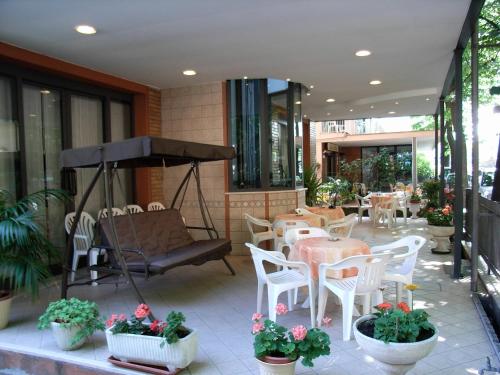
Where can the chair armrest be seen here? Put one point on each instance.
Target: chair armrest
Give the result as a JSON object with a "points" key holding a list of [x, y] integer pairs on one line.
{"points": [[262, 223]]}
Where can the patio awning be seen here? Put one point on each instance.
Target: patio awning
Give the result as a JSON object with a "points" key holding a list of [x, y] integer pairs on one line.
{"points": [[144, 152]]}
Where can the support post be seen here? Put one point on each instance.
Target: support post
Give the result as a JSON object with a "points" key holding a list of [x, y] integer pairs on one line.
{"points": [[414, 176], [68, 252], [436, 141], [475, 158], [458, 215], [441, 150]]}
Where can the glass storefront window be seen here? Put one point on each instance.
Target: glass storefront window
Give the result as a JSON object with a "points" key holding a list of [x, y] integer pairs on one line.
{"points": [[9, 145]]}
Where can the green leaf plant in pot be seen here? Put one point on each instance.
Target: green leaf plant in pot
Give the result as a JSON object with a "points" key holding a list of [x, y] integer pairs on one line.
{"points": [[277, 349], [24, 247], [441, 227], [72, 322]]}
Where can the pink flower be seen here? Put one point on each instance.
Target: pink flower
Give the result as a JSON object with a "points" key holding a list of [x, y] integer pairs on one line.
{"points": [[327, 321], [122, 317], [299, 332], [111, 320], [142, 311], [256, 316], [257, 327], [154, 326], [281, 309]]}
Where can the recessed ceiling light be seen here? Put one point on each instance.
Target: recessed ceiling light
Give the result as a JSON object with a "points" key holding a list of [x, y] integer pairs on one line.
{"points": [[311, 87], [85, 29], [308, 93], [351, 110], [375, 82], [288, 79], [32, 115], [245, 77], [371, 107], [328, 114], [45, 91], [330, 100], [427, 99], [189, 72], [298, 102], [391, 112], [363, 53], [396, 103], [305, 115]]}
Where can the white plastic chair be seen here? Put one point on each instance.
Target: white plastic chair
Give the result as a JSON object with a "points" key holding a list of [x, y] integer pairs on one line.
{"points": [[155, 206], [132, 209], [293, 275], [401, 205], [385, 211], [366, 283], [304, 211], [400, 269], [294, 234], [282, 226], [104, 212], [258, 237], [82, 241], [363, 205], [343, 227]]}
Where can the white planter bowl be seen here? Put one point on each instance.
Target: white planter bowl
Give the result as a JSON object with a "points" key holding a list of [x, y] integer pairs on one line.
{"points": [[442, 237], [394, 358], [146, 349], [276, 369], [5, 304], [64, 336]]}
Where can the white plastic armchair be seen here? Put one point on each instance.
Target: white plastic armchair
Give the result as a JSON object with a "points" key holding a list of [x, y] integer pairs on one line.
{"points": [[363, 205], [258, 237], [281, 227], [385, 211], [401, 205], [305, 211], [295, 234], [344, 289], [343, 227], [82, 242], [114, 210], [293, 275], [400, 269], [155, 206], [132, 209]]}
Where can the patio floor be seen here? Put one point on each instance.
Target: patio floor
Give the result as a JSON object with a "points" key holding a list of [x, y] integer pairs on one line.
{"points": [[220, 306]]}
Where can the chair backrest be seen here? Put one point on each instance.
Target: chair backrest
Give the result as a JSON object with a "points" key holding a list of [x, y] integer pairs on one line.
{"points": [[155, 206], [251, 221], [303, 211], [409, 258], [371, 278], [345, 227], [295, 234], [132, 209], [260, 256], [104, 212], [85, 227]]}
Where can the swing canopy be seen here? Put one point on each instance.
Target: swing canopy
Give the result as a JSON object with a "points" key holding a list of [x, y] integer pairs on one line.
{"points": [[144, 152]]}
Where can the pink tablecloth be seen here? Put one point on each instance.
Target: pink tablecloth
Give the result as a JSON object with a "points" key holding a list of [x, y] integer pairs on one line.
{"points": [[312, 220], [317, 250], [383, 200], [330, 213]]}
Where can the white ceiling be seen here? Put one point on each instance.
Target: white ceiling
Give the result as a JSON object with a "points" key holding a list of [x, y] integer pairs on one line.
{"points": [[309, 41]]}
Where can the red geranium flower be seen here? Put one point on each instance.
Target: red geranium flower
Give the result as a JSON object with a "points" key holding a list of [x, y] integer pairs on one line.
{"points": [[384, 306], [142, 311], [404, 307]]}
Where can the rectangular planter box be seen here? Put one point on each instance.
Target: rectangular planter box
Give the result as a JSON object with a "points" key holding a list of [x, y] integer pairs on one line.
{"points": [[146, 349]]}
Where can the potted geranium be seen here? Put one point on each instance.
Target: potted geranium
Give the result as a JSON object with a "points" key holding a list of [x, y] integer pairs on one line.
{"points": [[277, 349], [441, 227], [396, 337], [24, 247], [163, 343], [415, 201], [72, 322]]}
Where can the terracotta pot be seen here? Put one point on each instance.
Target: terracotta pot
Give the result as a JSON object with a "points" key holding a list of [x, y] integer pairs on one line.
{"points": [[269, 365], [5, 303], [394, 358]]}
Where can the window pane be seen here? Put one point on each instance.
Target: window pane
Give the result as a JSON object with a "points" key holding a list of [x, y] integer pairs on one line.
{"points": [[87, 130], [368, 178], [298, 130], [279, 155], [9, 146], [43, 138], [121, 129]]}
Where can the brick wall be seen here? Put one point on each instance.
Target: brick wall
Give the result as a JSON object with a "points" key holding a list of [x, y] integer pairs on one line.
{"points": [[154, 112]]}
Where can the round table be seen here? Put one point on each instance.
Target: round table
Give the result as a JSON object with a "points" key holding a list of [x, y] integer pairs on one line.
{"points": [[317, 250], [383, 200], [331, 213], [312, 220]]}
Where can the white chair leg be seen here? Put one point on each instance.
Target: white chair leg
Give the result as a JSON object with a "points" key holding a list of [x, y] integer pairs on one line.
{"points": [[272, 302], [260, 290], [93, 261], [322, 298], [296, 296], [399, 291], [74, 266], [347, 309], [312, 296], [366, 304], [290, 300]]}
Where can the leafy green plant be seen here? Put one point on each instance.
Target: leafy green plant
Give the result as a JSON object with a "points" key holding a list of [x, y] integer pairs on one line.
{"points": [[272, 339], [73, 313], [172, 329], [24, 248], [351, 171], [400, 324], [430, 190], [336, 190], [441, 217], [415, 198], [312, 183]]}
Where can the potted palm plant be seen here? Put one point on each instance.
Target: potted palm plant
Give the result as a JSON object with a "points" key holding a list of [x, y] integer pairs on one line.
{"points": [[24, 248], [396, 337], [72, 322], [277, 349]]}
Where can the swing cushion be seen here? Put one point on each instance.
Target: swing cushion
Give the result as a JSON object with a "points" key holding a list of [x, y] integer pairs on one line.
{"points": [[164, 240]]}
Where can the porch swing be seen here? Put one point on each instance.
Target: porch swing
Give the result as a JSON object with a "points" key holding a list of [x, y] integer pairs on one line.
{"points": [[148, 243]]}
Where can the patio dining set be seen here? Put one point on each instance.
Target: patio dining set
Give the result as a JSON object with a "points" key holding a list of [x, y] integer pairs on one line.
{"points": [[323, 257]]}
